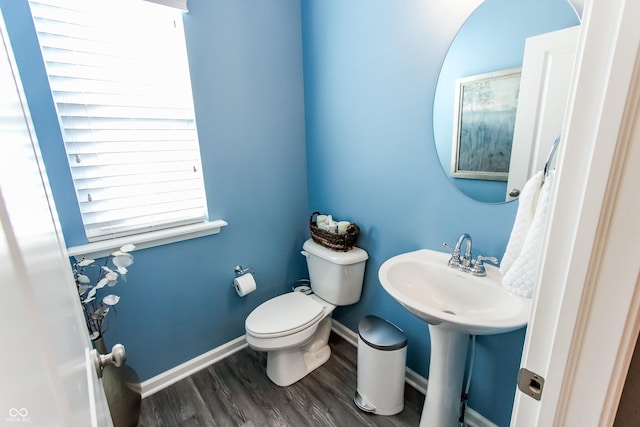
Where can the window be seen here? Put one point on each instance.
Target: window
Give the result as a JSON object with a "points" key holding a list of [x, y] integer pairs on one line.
{"points": [[119, 76]]}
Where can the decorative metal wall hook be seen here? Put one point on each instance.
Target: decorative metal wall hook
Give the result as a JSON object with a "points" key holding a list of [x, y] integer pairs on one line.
{"points": [[552, 152]]}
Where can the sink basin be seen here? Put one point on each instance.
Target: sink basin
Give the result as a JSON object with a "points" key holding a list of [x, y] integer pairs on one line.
{"points": [[456, 305], [426, 286]]}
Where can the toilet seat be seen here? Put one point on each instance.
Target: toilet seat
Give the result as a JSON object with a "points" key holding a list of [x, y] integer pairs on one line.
{"points": [[283, 315]]}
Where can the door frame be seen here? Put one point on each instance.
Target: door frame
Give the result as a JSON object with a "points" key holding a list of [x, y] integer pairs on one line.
{"points": [[586, 311]]}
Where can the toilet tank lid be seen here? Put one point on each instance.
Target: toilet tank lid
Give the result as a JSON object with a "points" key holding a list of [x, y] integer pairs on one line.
{"points": [[352, 256]]}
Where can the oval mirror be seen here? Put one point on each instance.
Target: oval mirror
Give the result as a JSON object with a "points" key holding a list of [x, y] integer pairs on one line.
{"points": [[483, 62]]}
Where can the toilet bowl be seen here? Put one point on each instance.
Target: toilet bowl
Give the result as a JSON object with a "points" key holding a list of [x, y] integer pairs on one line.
{"points": [[294, 328]]}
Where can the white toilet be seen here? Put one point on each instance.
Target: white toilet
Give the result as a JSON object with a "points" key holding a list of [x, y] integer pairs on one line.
{"points": [[294, 328]]}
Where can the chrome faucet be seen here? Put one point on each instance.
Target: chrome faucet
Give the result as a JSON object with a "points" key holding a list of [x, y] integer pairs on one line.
{"points": [[466, 258], [466, 262]]}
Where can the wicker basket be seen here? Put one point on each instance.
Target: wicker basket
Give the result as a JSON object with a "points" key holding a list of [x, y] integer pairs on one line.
{"points": [[335, 241]]}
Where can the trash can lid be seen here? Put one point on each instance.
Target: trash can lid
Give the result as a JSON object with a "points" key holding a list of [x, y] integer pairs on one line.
{"points": [[380, 334]]}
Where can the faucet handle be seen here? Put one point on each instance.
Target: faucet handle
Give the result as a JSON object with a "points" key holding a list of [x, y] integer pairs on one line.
{"points": [[491, 259], [455, 260], [446, 245], [478, 266]]}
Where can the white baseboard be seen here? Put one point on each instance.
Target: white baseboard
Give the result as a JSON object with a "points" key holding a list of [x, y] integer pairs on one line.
{"points": [[415, 380], [165, 379]]}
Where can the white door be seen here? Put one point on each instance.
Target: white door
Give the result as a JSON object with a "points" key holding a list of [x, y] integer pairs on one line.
{"points": [[47, 376], [586, 311], [544, 90]]}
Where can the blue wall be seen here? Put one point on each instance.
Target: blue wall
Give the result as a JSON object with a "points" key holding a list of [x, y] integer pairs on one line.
{"points": [[246, 62], [370, 70]]}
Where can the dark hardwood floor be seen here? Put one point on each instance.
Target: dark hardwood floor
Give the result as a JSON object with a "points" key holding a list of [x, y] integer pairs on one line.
{"points": [[236, 392]]}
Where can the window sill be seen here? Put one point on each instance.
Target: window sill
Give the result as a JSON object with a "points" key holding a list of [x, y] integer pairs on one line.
{"points": [[148, 240]]}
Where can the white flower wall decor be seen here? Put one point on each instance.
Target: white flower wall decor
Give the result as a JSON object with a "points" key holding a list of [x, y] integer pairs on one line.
{"points": [[92, 279]]}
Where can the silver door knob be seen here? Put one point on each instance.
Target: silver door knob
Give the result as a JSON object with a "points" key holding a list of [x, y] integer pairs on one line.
{"points": [[514, 193], [117, 357]]}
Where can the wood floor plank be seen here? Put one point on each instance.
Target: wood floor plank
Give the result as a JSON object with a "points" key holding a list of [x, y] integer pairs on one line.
{"points": [[236, 392], [262, 400], [180, 404]]}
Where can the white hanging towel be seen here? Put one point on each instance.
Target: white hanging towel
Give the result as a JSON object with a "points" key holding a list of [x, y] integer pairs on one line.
{"points": [[521, 277], [526, 209]]}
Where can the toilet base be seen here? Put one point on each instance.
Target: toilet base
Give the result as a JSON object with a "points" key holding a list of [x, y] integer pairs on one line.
{"points": [[285, 367]]}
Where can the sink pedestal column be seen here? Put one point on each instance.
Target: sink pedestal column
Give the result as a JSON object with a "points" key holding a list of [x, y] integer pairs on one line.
{"points": [[446, 372]]}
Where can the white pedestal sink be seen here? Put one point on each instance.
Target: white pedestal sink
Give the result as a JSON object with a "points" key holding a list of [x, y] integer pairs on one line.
{"points": [[456, 305]]}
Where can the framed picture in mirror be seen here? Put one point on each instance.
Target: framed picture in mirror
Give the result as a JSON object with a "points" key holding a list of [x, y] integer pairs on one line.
{"points": [[484, 119]]}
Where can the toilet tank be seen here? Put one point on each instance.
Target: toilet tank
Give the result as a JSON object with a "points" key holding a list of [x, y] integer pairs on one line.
{"points": [[336, 277]]}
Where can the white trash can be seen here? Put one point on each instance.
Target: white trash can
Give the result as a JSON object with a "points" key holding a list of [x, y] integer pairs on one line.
{"points": [[382, 355]]}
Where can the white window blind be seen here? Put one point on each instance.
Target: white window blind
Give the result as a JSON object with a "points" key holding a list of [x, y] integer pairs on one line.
{"points": [[119, 76]]}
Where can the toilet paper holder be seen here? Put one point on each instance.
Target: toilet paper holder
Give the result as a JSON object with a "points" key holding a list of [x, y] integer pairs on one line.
{"points": [[240, 270]]}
